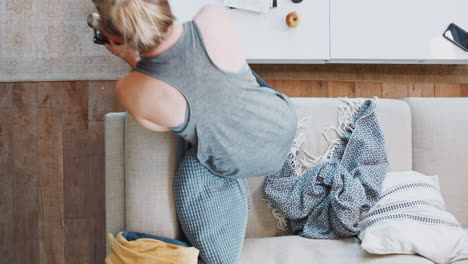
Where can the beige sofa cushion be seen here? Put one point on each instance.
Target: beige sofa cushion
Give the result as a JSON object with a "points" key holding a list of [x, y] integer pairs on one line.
{"points": [[298, 250], [395, 120], [440, 146]]}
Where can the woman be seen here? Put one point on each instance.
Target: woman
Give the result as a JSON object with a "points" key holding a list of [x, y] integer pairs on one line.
{"points": [[193, 79]]}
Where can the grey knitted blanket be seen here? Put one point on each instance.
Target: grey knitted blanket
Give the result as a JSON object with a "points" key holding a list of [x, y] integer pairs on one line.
{"points": [[326, 200]]}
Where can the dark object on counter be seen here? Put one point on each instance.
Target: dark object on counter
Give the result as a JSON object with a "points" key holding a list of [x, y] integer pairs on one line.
{"points": [[297, 1], [457, 36]]}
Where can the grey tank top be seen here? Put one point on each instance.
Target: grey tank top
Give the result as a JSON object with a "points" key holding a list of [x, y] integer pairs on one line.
{"points": [[239, 129]]}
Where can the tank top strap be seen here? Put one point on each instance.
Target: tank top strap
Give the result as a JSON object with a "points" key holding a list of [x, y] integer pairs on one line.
{"points": [[182, 126]]}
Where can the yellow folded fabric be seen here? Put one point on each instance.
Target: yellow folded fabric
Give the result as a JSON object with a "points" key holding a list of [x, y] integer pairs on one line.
{"points": [[148, 251]]}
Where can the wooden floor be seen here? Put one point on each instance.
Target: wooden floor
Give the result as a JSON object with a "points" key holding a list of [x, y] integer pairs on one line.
{"points": [[52, 171], [52, 150]]}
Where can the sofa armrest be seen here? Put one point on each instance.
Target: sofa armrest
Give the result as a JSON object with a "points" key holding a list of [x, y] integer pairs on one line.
{"points": [[151, 160], [115, 173]]}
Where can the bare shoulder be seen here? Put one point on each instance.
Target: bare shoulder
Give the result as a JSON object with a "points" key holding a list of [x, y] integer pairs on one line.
{"points": [[213, 18], [137, 93], [221, 41], [125, 88]]}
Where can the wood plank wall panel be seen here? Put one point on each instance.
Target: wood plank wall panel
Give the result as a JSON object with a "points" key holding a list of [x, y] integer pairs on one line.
{"points": [[52, 148], [447, 90], [365, 72], [50, 94], [395, 90], [52, 167], [5, 95], [26, 181], [77, 188], [6, 187], [314, 88], [101, 100], [341, 89], [464, 90], [51, 213], [421, 90], [97, 180], [78, 241], [368, 89], [75, 150], [292, 87]]}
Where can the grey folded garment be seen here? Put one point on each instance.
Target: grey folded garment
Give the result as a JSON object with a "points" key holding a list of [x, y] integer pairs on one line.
{"points": [[252, 5]]}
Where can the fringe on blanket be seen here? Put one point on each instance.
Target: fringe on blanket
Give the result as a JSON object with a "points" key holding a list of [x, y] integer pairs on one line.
{"points": [[300, 163]]}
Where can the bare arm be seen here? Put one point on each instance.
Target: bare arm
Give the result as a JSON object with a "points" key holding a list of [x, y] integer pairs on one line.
{"points": [[222, 43], [137, 104]]}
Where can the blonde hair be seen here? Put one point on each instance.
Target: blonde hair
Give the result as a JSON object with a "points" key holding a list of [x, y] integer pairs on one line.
{"points": [[140, 23]]}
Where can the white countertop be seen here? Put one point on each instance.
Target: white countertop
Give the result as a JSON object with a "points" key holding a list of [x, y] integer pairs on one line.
{"points": [[397, 30], [346, 31]]}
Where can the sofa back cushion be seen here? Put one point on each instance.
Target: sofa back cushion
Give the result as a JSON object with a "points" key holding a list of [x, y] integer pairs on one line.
{"points": [[151, 160], [395, 121], [440, 146]]}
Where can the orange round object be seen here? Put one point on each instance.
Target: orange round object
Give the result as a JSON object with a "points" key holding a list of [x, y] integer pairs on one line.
{"points": [[293, 19]]}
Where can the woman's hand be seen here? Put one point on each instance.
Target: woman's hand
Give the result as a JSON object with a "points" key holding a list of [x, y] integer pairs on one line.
{"points": [[125, 52]]}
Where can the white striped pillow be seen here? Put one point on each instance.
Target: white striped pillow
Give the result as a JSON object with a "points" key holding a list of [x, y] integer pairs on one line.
{"points": [[410, 218]]}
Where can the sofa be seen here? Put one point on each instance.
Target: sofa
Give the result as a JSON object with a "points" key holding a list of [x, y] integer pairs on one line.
{"points": [[422, 134]]}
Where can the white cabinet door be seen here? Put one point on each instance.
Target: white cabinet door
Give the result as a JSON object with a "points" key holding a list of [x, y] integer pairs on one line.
{"points": [[266, 37], [396, 31]]}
